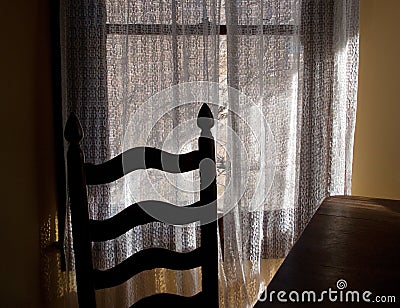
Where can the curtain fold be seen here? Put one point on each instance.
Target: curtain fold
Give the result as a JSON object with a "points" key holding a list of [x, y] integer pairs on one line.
{"points": [[299, 61], [295, 60]]}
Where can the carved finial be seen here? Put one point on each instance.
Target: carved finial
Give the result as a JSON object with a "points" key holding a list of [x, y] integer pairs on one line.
{"points": [[205, 119], [73, 132]]}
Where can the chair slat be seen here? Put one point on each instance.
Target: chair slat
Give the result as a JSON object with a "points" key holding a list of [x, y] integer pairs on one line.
{"points": [[140, 158], [145, 260], [173, 300], [132, 216]]}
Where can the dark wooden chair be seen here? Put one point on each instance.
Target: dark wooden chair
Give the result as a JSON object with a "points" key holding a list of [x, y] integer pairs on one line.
{"points": [[85, 231]]}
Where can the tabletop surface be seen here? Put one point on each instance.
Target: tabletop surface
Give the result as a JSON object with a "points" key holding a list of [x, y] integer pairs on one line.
{"points": [[351, 246]]}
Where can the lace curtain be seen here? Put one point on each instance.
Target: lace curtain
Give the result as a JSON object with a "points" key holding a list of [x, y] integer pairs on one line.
{"points": [[295, 61]]}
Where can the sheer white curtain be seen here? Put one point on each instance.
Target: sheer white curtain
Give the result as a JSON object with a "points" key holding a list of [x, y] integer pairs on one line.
{"points": [[299, 61], [296, 60]]}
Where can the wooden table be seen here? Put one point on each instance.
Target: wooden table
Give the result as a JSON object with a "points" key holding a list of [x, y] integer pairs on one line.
{"points": [[351, 238]]}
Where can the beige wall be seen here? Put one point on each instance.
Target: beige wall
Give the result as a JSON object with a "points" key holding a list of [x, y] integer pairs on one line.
{"points": [[376, 170], [27, 181]]}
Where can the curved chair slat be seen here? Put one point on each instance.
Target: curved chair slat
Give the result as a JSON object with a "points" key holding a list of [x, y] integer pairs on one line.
{"points": [[132, 216], [140, 158], [173, 300], [145, 260]]}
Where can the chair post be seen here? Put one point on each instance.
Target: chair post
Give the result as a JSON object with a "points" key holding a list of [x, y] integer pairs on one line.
{"points": [[79, 213], [208, 195]]}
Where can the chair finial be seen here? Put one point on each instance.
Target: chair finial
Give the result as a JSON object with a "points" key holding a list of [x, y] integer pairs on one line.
{"points": [[205, 119], [73, 132]]}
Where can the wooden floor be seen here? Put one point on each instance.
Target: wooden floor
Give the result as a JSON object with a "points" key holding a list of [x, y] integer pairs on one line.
{"points": [[351, 238]]}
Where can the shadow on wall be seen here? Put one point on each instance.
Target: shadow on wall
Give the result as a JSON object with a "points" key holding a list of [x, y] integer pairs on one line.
{"points": [[28, 182]]}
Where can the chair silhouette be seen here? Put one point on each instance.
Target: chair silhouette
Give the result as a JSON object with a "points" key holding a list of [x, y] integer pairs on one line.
{"points": [[85, 231]]}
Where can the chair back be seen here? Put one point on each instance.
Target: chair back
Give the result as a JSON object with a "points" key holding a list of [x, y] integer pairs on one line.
{"points": [[85, 231]]}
